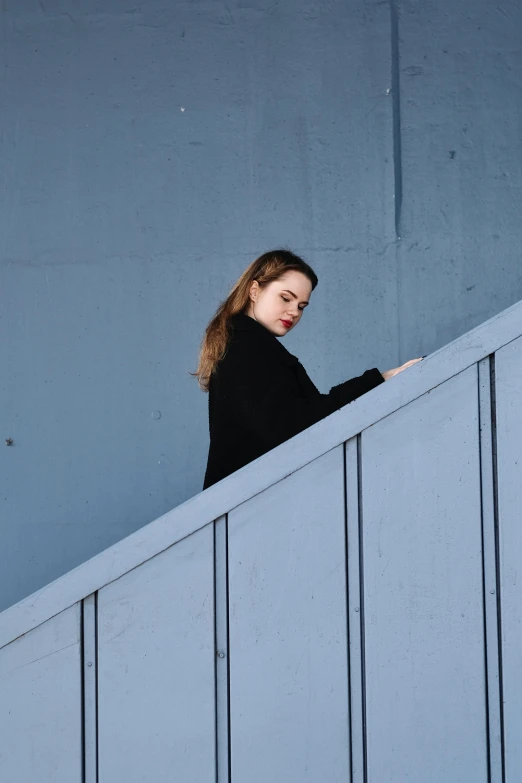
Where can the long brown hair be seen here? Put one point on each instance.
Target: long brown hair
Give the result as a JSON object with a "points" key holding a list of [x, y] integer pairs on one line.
{"points": [[268, 267]]}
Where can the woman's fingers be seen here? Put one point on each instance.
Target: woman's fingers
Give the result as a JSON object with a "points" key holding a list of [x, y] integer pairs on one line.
{"points": [[392, 373]]}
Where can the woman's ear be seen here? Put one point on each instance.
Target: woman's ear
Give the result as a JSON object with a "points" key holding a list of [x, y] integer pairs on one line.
{"points": [[254, 290]]}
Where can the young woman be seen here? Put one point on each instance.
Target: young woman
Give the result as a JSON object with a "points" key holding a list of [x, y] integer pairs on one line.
{"points": [[259, 393]]}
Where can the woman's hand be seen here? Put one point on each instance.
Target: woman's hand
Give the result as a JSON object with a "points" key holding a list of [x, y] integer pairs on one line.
{"points": [[390, 373]]}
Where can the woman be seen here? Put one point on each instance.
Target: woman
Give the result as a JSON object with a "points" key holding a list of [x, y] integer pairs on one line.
{"points": [[259, 393]]}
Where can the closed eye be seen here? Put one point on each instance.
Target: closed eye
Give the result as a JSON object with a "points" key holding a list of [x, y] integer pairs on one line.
{"points": [[285, 299]]}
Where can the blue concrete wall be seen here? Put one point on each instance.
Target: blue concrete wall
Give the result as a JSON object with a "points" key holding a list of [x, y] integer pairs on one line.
{"points": [[150, 152]]}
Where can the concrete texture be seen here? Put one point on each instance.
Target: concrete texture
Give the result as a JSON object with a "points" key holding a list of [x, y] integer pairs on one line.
{"points": [[150, 152]]}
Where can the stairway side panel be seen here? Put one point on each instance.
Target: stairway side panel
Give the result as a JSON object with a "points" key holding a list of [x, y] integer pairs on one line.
{"points": [[156, 687], [423, 591], [41, 703], [508, 383], [288, 646]]}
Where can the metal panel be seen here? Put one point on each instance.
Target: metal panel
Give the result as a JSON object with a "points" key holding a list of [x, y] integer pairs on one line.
{"points": [[508, 388], [41, 703], [423, 591], [288, 660], [156, 661]]}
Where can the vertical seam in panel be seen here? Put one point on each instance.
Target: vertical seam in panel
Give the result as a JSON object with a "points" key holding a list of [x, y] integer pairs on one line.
{"points": [[229, 731], [216, 717], [483, 521], [222, 651], [89, 657], [490, 578], [497, 554], [349, 678], [361, 607], [396, 103], [82, 678], [354, 608], [96, 685]]}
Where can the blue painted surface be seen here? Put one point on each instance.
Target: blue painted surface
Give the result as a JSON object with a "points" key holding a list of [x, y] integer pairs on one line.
{"points": [[288, 629], [150, 152], [426, 710]]}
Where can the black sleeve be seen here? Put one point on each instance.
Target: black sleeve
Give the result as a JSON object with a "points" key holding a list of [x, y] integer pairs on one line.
{"points": [[349, 390], [262, 399]]}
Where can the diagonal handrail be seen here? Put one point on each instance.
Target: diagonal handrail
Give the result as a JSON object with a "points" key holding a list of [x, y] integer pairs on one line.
{"points": [[254, 478]]}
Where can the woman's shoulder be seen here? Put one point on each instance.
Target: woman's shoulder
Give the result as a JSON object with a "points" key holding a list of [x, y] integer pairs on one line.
{"points": [[250, 339], [246, 341]]}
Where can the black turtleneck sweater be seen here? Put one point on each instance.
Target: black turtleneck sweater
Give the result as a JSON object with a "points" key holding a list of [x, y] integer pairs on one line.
{"points": [[260, 395]]}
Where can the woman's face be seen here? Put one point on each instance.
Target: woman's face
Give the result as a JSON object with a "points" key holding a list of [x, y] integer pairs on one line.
{"points": [[280, 304]]}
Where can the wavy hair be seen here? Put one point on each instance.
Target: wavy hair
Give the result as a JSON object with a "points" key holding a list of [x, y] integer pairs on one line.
{"points": [[265, 269]]}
